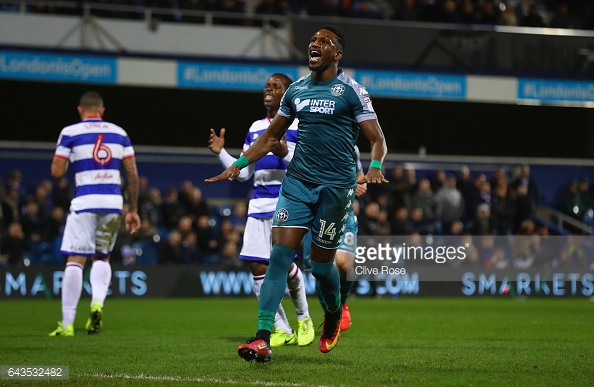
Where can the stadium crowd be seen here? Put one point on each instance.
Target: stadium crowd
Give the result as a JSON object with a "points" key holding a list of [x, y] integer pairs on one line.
{"points": [[179, 226], [577, 14]]}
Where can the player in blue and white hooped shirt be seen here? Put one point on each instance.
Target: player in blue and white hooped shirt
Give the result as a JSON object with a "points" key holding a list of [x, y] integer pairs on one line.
{"points": [[97, 150], [268, 173]]}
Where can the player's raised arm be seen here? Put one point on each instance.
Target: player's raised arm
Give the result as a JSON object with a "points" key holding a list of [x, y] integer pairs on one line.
{"points": [[264, 144], [372, 130]]}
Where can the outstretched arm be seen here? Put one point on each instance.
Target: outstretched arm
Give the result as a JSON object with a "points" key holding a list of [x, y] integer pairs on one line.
{"points": [[260, 148], [216, 145], [372, 130]]}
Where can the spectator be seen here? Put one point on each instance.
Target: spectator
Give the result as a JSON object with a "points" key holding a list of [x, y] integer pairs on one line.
{"points": [[62, 194], [533, 18], [467, 13], [450, 204], [15, 182], [527, 180], [399, 186], [447, 12], [570, 202], [467, 188], [499, 178], [474, 196], [563, 18], [481, 225], [206, 238], [150, 209], [524, 208], [41, 197], [171, 209], [33, 224], [230, 255], [143, 190], [550, 248], [585, 195], [498, 260], [438, 180], [508, 17], [184, 226], [239, 217], [525, 246], [472, 259], [419, 223], [424, 199], [490, 14], [171, 252], [11, 207], [13, 246], [369, 221], [185, 194], [401, 224], [573, 254], [54, 225], [197, 206], [502, 211]]}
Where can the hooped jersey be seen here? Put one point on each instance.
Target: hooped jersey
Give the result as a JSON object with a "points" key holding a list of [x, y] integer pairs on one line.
{"points": [[95, 149], [269, 171], [329, 116]]}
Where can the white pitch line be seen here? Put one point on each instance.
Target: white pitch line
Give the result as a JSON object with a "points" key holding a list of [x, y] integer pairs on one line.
{"points": [[194, 380]]}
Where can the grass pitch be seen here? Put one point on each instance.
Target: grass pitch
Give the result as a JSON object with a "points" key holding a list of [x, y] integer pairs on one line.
{"points": [[408, 342]]}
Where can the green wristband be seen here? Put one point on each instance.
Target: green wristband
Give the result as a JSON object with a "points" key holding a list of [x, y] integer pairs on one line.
{"points": [[242, 162], [375, 164]]}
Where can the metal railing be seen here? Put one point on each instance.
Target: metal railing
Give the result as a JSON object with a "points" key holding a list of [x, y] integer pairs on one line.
{"points": [[563, 221], [91, 12], [147, 13]]}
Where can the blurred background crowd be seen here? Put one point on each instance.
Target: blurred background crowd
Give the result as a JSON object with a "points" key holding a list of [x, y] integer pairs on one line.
{"points": [[575, 14], [180, 226]]}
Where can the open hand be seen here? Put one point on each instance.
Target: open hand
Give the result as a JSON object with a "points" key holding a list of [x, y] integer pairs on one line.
{"points": [[373, 176], [228, 174], [216, 143]]}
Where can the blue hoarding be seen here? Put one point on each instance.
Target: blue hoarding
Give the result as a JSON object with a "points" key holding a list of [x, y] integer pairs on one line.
{"points": [[555, 91], [63, 67], [229, 76], [414, 85]]}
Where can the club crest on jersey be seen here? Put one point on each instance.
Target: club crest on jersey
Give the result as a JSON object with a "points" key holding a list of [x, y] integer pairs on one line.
{"points": [[337, 90], [282, 215]]}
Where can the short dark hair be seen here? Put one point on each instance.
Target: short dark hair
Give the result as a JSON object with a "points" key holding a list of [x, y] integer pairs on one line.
{"points": [[91, 100], [339, 34], [286, 79]]}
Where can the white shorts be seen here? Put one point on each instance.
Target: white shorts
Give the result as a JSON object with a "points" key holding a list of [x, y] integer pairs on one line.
{"points": [[257, 240], [90, 233]]}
